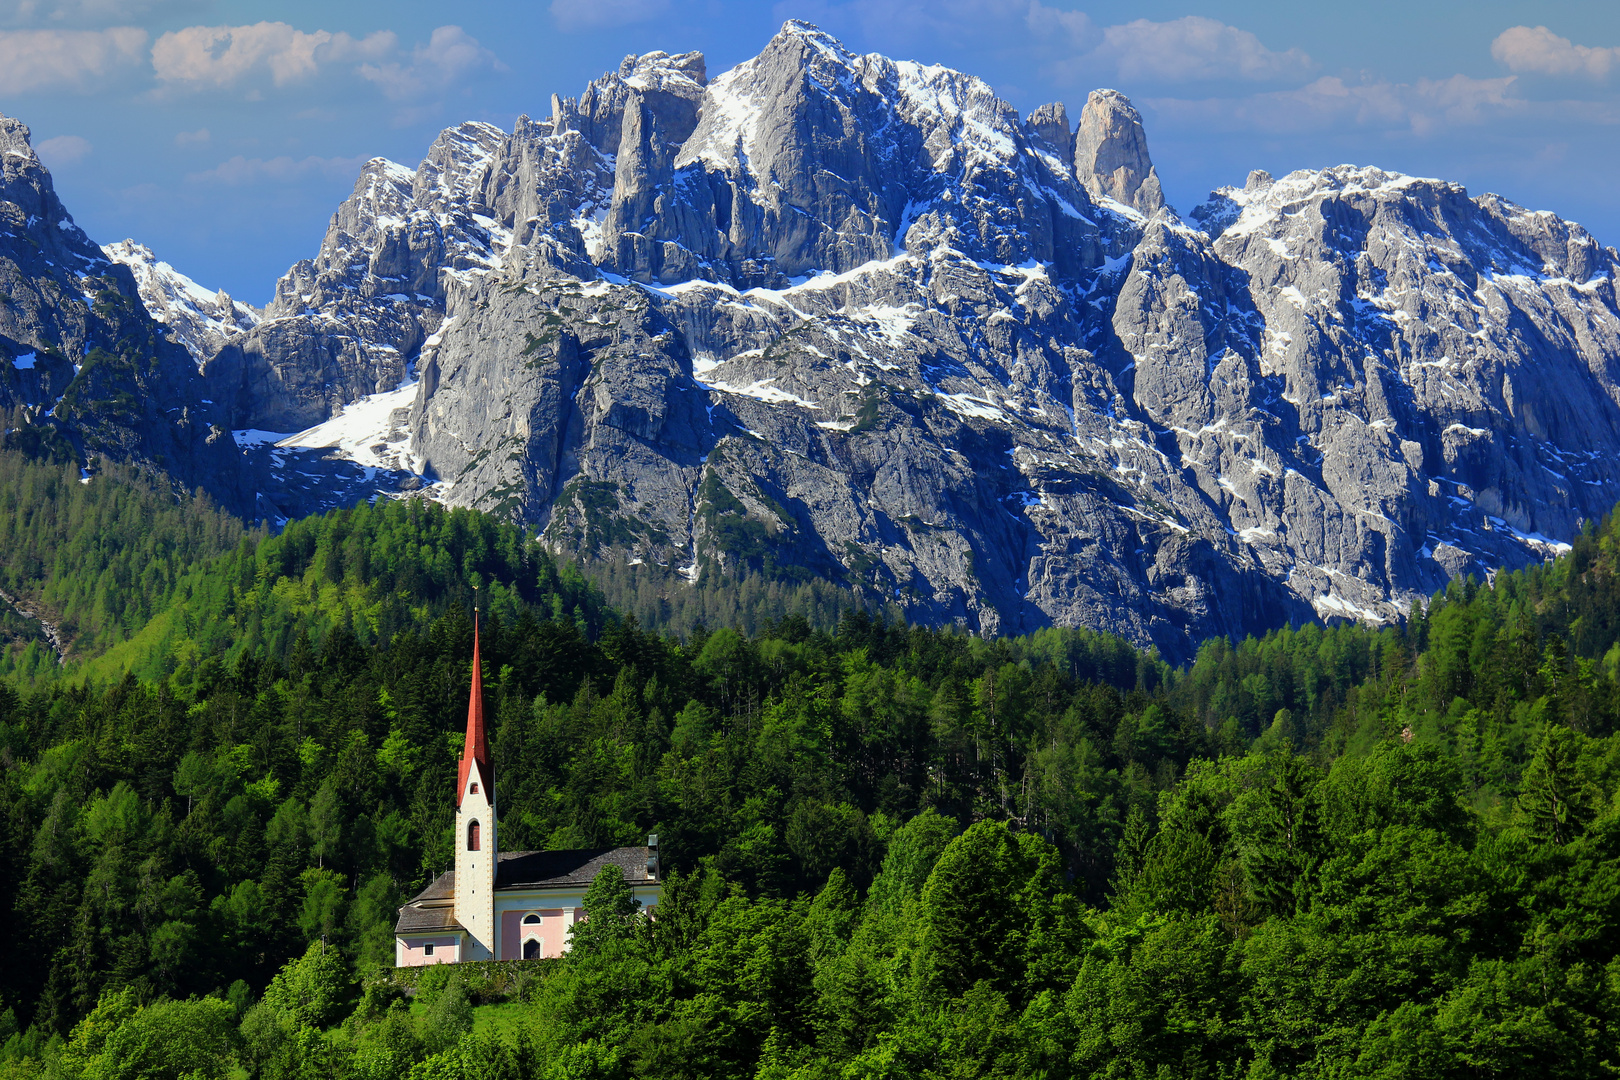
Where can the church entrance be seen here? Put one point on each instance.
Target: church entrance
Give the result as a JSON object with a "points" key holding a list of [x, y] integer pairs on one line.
{"points": [[531, 949]]}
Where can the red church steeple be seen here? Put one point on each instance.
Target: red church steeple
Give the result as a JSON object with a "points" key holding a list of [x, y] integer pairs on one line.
{"points": [[475, 751]]}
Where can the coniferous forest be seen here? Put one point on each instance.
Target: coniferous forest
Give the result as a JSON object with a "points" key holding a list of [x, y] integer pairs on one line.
{"points": [[1341, 851]]}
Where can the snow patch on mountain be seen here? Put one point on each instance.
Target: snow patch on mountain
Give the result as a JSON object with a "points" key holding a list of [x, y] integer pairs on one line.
{"points": [[370, 432]]}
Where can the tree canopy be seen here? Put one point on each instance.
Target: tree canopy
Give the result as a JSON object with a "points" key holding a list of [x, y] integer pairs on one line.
{"points": [[1337, 850]]}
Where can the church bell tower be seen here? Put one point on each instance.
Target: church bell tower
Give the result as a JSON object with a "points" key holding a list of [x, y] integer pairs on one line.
{"points": [[475, 826]]}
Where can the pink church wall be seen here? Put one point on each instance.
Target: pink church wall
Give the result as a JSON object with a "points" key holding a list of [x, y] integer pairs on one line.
{"points": [[511, 935], [552, 932], [412, 954]]}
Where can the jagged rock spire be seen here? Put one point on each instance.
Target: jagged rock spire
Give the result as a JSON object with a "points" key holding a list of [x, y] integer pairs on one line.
{"points": [[15, 138], [475, 751], [1051, 123], [1111, 152]]}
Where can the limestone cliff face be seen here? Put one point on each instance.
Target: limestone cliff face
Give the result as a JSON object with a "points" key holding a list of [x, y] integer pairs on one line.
{"points": [[1007, 398], [855, 317], [1050, 124], [346, 323]]}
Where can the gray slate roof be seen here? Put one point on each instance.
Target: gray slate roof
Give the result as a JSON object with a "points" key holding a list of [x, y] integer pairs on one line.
{"points": [[521, 870], [426, 920], [442, 887], [417, 918], [562, 869]]}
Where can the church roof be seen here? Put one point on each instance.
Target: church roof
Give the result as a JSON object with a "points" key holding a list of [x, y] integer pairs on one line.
{"points": [[432, 909], [421, 920], [442, 887], [563, 869]]}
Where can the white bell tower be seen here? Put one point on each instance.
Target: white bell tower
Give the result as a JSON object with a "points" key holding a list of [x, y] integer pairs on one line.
{"points": [[476, 851]]}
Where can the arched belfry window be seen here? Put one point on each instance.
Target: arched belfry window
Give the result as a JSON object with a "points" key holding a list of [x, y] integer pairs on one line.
{"points": [[472, 836], [531, 919]]}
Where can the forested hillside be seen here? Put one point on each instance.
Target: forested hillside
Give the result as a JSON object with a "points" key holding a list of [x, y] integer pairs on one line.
{"points": [[899, 852], [101, 555], [140, 578]]}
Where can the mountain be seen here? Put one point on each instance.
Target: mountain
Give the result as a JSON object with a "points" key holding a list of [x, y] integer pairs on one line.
{"points": [[200, 320], [84, 369], [838, 316], [344, 324]]}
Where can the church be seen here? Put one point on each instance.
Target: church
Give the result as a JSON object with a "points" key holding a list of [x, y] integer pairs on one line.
{"points": [[505, 905]]}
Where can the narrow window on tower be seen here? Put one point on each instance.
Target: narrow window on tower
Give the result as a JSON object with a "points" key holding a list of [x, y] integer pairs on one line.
{"points": [[472, 836]]}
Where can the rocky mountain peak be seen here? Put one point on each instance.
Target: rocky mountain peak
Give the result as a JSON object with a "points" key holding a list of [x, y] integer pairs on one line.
{"points": [[198, 318], [81, 356], [457, 168], [858, 317], [1493, 234], [667, 86], [684, 74], [1111, 153], [1050, 123], [809, 157], [29, 208], [383, 198], [15, 139], [797, 33]]}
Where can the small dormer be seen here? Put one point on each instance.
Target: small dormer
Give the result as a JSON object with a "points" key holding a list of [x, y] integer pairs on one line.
{"points": [[475, 784]]}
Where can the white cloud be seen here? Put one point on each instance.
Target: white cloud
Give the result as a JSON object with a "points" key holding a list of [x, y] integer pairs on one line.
{"points": [[572, 15], [1049, 23], [254, 58], [240, 171], [449, 56], [1539, 51], [1422, 107], [192, 138], [223, 57], [1189, 49], [1193, 49], [65, 59], [62, 150]]}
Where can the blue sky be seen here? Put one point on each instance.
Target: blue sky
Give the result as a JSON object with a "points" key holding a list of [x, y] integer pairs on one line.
{"points": [[223, 133]]}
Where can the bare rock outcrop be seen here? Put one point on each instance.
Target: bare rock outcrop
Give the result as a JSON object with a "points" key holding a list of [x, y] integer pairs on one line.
{"points": [[200, 319], [1111, 153], [1050, 124]]}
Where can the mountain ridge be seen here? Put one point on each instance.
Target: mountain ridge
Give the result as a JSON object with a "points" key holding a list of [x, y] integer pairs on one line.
{"points": [[84, 369], [857, 318]]}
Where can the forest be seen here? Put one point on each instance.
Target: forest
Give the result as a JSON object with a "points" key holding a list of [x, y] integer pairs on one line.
{"points": [[1335, 851]]}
